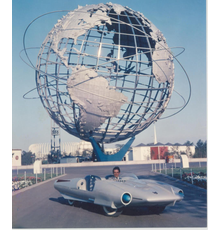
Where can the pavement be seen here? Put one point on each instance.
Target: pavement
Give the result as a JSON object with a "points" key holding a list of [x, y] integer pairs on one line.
{"points": [[43, 207]]}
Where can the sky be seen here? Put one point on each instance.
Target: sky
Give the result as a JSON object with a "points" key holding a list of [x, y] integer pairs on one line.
{"points": [[183, 24]]}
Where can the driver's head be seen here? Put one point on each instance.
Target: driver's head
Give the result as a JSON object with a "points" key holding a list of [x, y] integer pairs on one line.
{"points": [[116, 171]]}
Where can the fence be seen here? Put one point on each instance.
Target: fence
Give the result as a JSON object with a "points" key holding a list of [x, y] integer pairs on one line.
{"points": [[196, 175], [26, 178]]}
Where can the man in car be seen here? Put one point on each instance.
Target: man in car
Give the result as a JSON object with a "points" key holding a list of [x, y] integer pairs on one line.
{"points": [[116, 172]]}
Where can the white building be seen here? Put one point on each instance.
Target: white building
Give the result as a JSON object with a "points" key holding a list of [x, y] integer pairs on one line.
{"points": [[158, 152], [139, 153], [16, 157], [146, 153], [43, 149]]}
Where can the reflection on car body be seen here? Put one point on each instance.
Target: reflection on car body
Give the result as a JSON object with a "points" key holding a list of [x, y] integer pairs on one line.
{"points": [[114, 194]]}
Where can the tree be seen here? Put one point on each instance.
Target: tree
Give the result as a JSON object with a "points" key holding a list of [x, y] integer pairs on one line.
{"points": [[152, 154], [93, 158], [188, 143], [201, 149], [119, 146], [27, 158], [175, 151], [64, 154], [49, 159], [87, 153], [77, 153]]}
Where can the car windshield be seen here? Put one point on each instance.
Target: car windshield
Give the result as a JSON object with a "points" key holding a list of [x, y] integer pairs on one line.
{"points": [[128, 175]]}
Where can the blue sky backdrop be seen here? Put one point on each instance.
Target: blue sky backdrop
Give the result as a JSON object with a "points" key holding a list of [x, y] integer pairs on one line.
{"points": [[183, 23]]}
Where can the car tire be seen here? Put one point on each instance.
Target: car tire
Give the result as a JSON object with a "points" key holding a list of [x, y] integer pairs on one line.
{"points": [[74, 203], [70, 202], [157, 209], [108, 211]]}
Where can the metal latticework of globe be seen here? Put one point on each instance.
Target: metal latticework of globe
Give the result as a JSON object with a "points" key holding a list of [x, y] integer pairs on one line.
{"points": [[104, 71]]}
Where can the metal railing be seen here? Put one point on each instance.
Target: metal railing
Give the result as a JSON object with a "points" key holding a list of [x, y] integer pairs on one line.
{"points": [[196, 175], [24, 179]]}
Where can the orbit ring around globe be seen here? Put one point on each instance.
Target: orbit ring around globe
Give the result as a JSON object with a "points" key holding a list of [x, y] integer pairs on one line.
{"points": [[105, 71]]}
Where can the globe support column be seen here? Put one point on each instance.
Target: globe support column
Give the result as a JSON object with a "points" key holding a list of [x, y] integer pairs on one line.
{"points": [[115, 157]]}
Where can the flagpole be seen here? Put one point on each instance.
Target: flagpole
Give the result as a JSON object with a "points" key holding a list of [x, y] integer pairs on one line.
{"points": [[155, 142]]}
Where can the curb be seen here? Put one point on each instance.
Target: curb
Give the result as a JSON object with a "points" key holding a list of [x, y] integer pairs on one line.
{"points": [[35, 185], [104, 163]]}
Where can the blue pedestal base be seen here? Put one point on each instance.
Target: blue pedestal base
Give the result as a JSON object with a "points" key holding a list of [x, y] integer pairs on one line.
{"points": [[115, 157]]}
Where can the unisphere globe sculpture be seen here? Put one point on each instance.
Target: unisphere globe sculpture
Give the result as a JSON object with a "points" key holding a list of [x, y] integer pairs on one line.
{"points": [[105, 71]]}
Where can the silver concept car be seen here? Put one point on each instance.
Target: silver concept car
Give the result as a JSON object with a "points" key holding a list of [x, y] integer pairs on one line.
{"points": [[114, 194]]}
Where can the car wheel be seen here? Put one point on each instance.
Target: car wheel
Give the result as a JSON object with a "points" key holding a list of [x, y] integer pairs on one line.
{"points": [[157, 209], [111, 211], [70, 202]]}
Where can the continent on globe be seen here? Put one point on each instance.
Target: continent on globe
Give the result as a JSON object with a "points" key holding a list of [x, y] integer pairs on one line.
{"points": [[85, 18], [96, 101], [81, 20], [107, 69], [163, 67]]}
